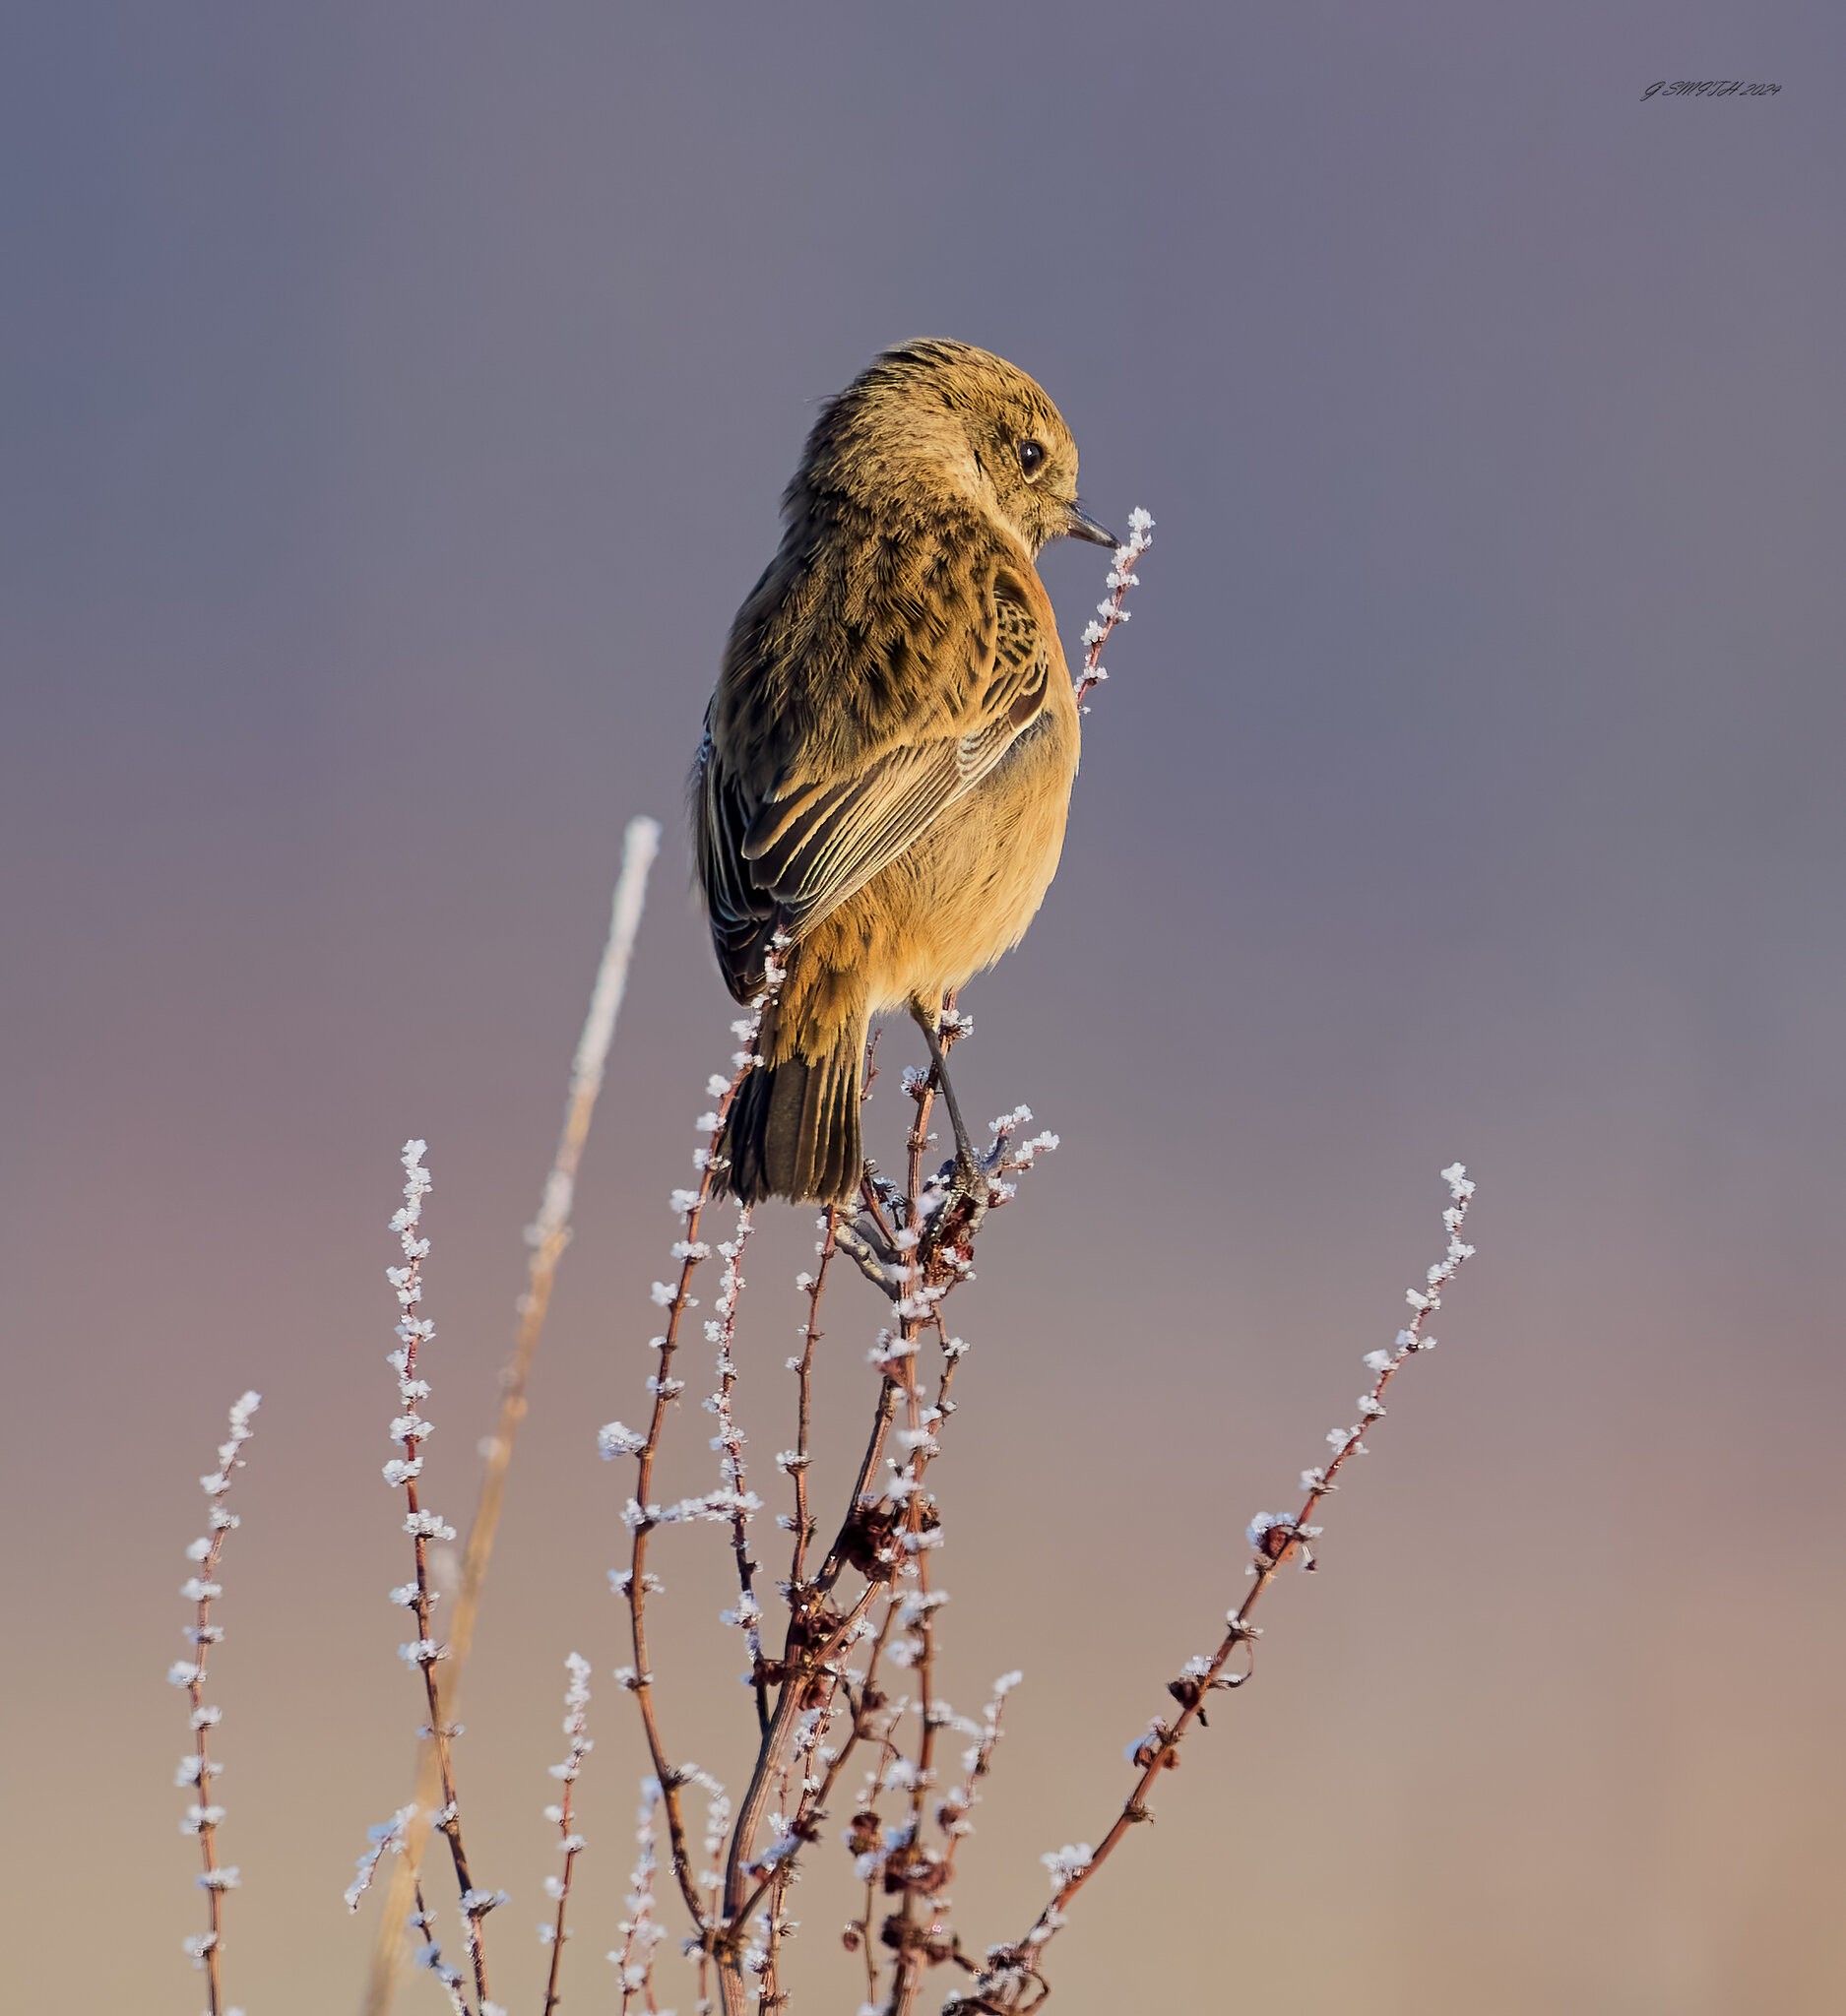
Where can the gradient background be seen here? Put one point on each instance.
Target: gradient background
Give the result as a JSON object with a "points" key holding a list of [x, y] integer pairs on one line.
{"points": [[396, 401]]}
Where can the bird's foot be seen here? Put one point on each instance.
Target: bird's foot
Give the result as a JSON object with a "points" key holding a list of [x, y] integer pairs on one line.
{"points": [[870, 1252], [868, 1239], [954, 1206]]}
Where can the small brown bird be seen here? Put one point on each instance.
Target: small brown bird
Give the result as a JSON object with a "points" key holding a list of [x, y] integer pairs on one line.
{"points": [[889, 753]]}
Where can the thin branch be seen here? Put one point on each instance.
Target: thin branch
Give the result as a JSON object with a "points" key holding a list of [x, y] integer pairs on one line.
{"points": [[410, 1429], [794, 1462], [570, 1842], [198, 1769], [641, 1929], [728, 1442], [1013, 1971], [1111, 613], [424, 1920], [641, 1516], [977, 1762]]}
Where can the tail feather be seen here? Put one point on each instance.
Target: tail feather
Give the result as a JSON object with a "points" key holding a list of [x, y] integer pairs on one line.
{"points": [[794, 1127]]}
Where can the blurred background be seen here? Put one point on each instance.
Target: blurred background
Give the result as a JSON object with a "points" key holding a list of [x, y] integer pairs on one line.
{"points": [[396, 401]]}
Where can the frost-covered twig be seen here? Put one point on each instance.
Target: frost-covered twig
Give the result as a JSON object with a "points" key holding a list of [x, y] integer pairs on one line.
{"points": [[976, 1761], [1111, 613], [387, 1838], [642, 1931], [641, 1516], [411, 1429], [199, 1767], [546, 1238], [909, 1864], [570, 1842], [1013, 1971], [422, 1921], [721, 1330]]}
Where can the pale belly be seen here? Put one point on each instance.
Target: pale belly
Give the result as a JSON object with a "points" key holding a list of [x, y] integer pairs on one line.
{"points": [[963, 896]]}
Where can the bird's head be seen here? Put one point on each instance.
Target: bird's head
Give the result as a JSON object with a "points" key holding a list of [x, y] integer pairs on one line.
{"points": [[932, 419]]}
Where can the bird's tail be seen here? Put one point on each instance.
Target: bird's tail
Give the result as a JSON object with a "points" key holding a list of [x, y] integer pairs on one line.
{"points": [[793, 1126]]}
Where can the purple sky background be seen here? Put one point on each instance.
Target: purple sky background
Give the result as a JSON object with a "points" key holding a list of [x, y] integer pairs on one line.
{"points": [[394, 401]]}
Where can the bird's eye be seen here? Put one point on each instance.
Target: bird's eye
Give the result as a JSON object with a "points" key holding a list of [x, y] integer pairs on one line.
{"points": [[1031, 456]]}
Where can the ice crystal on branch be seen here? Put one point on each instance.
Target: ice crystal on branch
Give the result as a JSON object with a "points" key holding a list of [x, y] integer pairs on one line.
{"points": [[409, 1428], [1112, 613], [570, 1842], [201, 1590], [386, 1838], [641, 1930]]}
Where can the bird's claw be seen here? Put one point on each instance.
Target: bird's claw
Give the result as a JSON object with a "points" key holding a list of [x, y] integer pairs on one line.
{"points": [[949, 1213], [863, 1243], [966, 1197]]}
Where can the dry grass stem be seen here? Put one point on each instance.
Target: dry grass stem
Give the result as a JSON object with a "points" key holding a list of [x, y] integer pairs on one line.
{"points": [[546, 1240]]}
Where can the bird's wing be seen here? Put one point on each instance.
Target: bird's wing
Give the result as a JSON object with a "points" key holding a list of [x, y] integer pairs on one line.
{"points": [[816, 838], [742, 916]]}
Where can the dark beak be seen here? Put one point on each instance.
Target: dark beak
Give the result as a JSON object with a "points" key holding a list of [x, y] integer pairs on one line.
{"points": [[1078, 526]]}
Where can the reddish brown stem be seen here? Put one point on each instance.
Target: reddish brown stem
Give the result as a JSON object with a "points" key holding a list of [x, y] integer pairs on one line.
{"points": [[1277, 1542]]}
